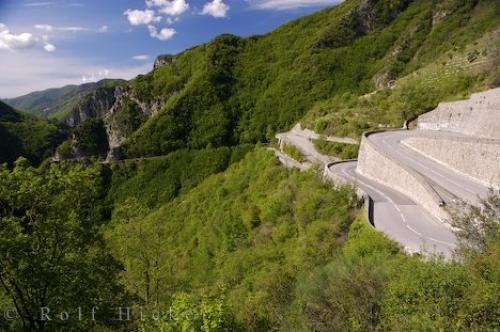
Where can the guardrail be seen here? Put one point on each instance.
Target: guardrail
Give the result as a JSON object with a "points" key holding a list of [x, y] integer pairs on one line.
{"points": [[368, 202]]}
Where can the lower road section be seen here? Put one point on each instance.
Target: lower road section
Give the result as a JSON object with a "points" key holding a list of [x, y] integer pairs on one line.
{"points": [[399, 217]]}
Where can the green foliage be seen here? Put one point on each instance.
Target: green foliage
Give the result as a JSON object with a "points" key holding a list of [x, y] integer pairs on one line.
{"points": [[424, 296], [350, 115], [190, 314], [343, 296], [90, 138], [252, 229], [51, 249], [159, 180], [129, 119], [232, 239], [293, 152], [371, 286], [65, 150], [235, 90], [341, 150], [478, 227]]}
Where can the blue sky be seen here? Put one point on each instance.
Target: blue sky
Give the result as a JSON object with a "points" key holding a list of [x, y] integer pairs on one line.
{"points": [[51, 43]]}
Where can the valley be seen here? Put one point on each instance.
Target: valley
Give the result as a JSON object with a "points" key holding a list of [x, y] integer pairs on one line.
{"points": [[333, 174]]}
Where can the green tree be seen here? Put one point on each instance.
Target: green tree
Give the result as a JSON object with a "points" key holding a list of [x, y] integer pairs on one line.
{"points": [[477, 227], [189, 314], [136, 242], [52, 254], [90, 138]]}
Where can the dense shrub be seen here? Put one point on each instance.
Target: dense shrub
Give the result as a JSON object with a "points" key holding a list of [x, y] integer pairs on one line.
{"points": [[90, 138]]}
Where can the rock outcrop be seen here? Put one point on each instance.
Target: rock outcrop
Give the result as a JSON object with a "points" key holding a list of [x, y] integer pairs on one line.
{"points": [[93, 105], [367, 17], [164, 60]]}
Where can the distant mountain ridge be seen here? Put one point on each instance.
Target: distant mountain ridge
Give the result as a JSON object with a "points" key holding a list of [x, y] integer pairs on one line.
{"points": [[58, 102]]}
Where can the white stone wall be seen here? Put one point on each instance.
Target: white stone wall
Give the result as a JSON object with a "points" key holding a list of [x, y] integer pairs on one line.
{"points": [[478, 116], [476, 158], [378, 166]]}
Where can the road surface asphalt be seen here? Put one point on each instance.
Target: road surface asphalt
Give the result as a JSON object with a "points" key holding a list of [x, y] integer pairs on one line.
{"points": [[401, 218], [396, 214]]}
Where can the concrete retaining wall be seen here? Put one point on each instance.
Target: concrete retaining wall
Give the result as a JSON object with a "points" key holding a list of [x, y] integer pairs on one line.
{"points": [[476, 158], [478, 116], [378, 166]]}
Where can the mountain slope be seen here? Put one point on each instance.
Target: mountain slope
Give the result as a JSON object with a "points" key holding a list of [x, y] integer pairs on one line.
{"points": [[316, 69], [27, 136], [235, 90]]}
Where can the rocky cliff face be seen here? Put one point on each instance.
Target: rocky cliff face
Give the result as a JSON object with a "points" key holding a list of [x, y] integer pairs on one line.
{"points": [[367, 17], [125, 116], [121, 110], [93, 105]]}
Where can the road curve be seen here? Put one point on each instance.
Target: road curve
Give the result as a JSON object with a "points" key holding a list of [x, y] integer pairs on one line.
{"points": [[450, 184], [395, 213], [400, 217]]}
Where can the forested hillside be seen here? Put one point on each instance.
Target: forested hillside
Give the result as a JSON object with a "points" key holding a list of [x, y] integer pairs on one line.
{"points": [[200, 228], [234, 90], [360, 65], [25, 135], [255, 248]]}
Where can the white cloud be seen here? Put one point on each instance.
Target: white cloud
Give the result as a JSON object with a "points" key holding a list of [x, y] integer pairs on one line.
{"points": [[44, 27], [49, 47], [216, 8], [163, 34], [290, 4], [141, 57], [139, 17], [51, 28], [169, 7], [103, 29], [73, 29], [11, 42], [61, 4], [23, 41], [38, 4], [95, 76], [24, 72]]}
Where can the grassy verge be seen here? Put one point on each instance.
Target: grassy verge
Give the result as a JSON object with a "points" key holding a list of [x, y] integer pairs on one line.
{"points": [[293, 152], [341, 150]]}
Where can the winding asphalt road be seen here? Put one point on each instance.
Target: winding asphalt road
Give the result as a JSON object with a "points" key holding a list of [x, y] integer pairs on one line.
{"points": [[396, 214], [449, 184]]}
